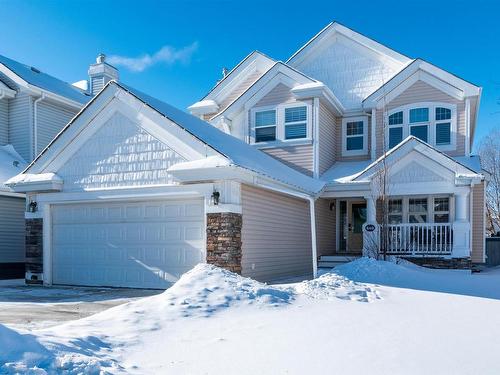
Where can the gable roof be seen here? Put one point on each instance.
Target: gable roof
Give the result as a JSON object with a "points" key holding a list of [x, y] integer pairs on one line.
{"points": [[336, 27], [249, 59], [43, 81], [412, 143], [279, 67], [239, 153], [465, 87]]}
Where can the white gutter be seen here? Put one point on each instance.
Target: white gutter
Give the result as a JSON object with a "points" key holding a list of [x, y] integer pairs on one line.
{"points": [[312, 213], [35, 123]]}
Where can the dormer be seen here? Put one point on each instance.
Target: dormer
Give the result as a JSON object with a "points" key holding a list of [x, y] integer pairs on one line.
{"points": [[232, 85]]}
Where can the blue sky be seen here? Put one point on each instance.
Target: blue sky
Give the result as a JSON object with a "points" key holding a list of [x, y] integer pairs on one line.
{"points": [[199, 38]]}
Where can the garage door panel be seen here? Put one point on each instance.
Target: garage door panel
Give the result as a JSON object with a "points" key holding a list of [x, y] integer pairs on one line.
{"points": [[132, 244]]}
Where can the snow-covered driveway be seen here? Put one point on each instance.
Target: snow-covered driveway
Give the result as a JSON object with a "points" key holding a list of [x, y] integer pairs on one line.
{"points": [[408, 320], [35, 307]]}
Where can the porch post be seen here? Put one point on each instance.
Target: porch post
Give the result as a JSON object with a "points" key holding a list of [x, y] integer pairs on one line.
{"points": [[370, 229], [461, 226]]}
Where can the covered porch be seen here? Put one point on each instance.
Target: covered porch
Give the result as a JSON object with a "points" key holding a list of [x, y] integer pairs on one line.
{"points": [[425, 209]]}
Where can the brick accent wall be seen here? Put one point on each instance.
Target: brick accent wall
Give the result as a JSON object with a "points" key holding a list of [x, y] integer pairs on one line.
{"points": [[34, 248], [224, 240]]}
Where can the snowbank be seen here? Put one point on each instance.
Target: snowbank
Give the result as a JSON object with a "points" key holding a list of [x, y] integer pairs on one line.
{"points": [[216, 322], [19, 352]]}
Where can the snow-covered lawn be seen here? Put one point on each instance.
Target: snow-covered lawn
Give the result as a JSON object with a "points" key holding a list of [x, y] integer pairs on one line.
{"points": [[407, 320]]}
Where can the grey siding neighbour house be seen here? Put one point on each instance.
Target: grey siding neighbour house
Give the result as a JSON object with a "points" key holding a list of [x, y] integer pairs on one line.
{"points": [[11, 229], [20, 124], [52, 117], [4, 121]]}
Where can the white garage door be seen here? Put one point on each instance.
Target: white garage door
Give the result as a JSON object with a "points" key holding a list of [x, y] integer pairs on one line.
{"points": [[126, 244]]}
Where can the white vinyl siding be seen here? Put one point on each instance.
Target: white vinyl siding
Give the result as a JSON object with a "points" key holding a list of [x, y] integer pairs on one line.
{"points": [[4, 122], [276, 235], [12, 230], [119, 154]]}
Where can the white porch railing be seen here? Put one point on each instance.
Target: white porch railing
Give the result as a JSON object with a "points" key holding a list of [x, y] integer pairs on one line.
{"points": [[419, 239]]}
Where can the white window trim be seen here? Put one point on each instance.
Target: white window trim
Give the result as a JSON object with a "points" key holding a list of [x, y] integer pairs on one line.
{"points": [[264, 109], [431, 131], [430, 207], [364, 151], [280, 125]]}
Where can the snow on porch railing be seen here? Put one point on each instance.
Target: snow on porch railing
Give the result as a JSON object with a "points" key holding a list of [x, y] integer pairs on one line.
{"points": [[419, 239]]}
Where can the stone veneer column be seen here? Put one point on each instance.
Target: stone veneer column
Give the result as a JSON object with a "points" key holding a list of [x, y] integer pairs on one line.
{"points": [[34, 250], [224, 240]]}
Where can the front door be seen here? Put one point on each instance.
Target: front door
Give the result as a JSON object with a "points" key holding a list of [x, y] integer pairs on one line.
{"points": [[352, 216]]}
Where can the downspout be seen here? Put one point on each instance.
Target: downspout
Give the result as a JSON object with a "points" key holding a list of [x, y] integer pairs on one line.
{"points": [[312, 214], [35, 124]]}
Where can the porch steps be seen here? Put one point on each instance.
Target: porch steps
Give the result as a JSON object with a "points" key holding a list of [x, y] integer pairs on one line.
{"points": [[331, 261]]}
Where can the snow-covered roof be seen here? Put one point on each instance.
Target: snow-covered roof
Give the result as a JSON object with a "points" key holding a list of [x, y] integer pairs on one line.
{"points": [[11, 163], [240, 153], [44, 81], [472, 162], [344, 171]]}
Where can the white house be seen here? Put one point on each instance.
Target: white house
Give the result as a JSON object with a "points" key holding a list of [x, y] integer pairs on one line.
{"points": [[285, 170]]}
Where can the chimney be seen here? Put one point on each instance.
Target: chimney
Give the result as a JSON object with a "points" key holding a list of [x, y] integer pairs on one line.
{"points": [[101, 73]]}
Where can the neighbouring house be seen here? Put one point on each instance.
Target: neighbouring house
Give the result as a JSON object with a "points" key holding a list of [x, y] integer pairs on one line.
{"points": [[34, 107], [277, 167]]}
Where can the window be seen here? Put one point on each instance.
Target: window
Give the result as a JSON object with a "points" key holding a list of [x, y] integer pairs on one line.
{"points": [[419, 131], [354, 141], [441, 210], [395, 213], [396, 118], [265, 126], [355, 135], [433, 123], [395, 128], [295, 122], [395, 136], [281, 123], [443, 129], [417, 210], [419, 115]]}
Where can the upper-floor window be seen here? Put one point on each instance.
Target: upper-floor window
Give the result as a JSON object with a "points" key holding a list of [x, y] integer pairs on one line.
{"points": [[433, 123], [285, 123], [354, 136], [265, 126]]}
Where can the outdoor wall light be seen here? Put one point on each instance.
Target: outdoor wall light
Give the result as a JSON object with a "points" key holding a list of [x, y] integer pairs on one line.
{"points": [[32, 206], [215, 198]]}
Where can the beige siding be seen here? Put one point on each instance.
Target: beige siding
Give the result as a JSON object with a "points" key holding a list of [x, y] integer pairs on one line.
{"points": [[325, 227], [423, 92], [326, 141], [338, 143], [478, 223], [238, 90], [279, 95], [297, 157], [276, 235]]}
